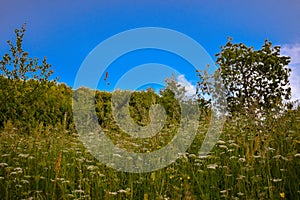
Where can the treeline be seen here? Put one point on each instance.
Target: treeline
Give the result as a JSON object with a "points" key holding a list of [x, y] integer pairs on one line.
{"points": [[250, 82], [32, 103]]}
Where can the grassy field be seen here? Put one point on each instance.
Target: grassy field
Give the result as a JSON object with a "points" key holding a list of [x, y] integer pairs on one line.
{"points": [[248, 162]]}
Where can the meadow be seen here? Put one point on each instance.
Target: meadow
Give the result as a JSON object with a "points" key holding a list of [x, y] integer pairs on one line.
{"points": [[41, 156], [248, 162]]}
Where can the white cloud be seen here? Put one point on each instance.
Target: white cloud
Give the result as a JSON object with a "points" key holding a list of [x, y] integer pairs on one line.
{"points": [[293, 50], [189, 87]]}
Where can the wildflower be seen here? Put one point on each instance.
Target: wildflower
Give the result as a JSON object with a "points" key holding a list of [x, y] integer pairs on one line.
{"points": [[233, 145], [18, 170], [3, 164], [284, 158], [212, 166], [113, 193], [101, 175], [65, 181], [223, 146], [31, 157], [242, 160], [24, 181], [277, 180], [277, 156], [78, 191], [232, 157], [91, 167], [282, 195], [270, 149], [192, 156], [122, 191], [221, 142], [23, 155], [203, 156], [240, 177], [117, 155]]}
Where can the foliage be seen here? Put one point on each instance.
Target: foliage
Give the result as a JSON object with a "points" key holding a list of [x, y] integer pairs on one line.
{"points": [[22, 81], [255, 81], [264, 166], [250, 161]]}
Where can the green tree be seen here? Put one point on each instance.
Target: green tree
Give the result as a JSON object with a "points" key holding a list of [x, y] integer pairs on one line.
{"points": [[255, 81], [22, 80]]}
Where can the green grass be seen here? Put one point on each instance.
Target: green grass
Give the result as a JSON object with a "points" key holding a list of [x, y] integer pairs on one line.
{"points": [[247, 163]]}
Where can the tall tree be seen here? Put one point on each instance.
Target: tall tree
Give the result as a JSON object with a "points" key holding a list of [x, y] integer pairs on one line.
{"points": [[16, 68], [254, 80]]}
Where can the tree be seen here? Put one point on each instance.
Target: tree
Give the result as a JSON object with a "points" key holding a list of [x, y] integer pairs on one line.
{"points": [[22, 80], [255, 81]]}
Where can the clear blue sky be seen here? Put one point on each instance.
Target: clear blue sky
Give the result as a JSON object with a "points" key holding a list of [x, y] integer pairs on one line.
{"points": [[66, 31]]}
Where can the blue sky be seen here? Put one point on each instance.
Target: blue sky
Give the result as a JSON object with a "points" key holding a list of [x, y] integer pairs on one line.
{"points": [[67, 31]]}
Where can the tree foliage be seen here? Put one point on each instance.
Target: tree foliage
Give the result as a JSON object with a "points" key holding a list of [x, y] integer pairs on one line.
{"points": [[254, 80], [23, 80]]}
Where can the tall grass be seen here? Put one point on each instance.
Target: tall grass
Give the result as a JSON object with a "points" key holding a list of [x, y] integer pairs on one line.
{"points": [[248, 162]]}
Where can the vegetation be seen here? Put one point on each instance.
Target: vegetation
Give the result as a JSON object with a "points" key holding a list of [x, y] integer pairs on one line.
{"points": [[255, 81], [23, 81], [41, 156]]}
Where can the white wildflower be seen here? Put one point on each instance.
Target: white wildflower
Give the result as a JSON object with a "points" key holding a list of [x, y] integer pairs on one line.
{"points": [[277, 156], [212, 166], [79, 191], [270, 149], [203, 156], [3, 164], [223, 146], [113, 193], [221, 142], [232, 157], [24, 181], [92, 167], [277, 180], [22, 155]]}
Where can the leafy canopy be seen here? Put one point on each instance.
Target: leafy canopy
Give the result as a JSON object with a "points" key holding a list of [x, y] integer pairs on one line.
{"points": [[254, 81], [22, 80]]}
